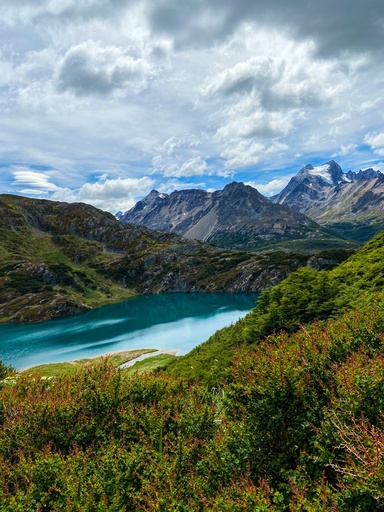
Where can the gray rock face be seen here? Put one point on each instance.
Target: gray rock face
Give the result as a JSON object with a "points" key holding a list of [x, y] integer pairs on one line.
{"points": [[237, 217], [311, 184], [342, 197], [362, 175], [352, 204]]}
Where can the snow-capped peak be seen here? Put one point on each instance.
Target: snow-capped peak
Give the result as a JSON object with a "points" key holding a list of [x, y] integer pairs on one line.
{"points": [[323, 171]]}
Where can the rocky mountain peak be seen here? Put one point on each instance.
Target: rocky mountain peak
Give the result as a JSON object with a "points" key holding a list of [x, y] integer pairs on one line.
{"points": [[350, 201], [328, 174], [363, 174], [237, 217]]}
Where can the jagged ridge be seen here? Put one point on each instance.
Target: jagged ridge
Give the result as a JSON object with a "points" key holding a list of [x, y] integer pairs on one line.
{"points": [[237, 217], [57, 259]]}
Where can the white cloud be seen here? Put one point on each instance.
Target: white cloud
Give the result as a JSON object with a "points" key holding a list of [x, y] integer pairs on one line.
{"points": [[194, 167], [92, 68], [88, 85], [345, 150], [258, 124], [271, 188], [175, 143], [277, 147], [375, 140], [38, 181], [245, 153], [242, 77], [115, 194], [111, 194]]}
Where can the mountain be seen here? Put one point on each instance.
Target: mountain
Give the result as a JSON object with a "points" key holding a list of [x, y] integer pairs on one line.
{"points": [[237, 217], [309, 185], [350, 204], [57, 259]]}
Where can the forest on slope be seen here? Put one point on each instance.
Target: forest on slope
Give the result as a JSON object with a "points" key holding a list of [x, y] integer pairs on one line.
{"points": [[291, 418]]}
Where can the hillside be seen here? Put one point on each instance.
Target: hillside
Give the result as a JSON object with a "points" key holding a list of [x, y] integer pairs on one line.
{"points": [[237, 217], [57, 259], [295, 423], [305, 296]]}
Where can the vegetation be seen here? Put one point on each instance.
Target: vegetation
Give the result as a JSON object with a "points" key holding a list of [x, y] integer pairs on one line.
{"points": [[150, 363], [361, 231], [57, 259], [72, 367], [305, 296], [298, 427], [282, 411]]}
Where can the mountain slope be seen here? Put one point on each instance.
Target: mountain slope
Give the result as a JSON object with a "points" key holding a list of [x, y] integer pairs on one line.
{"points": [[57, 259], [237, 217], [305, 296], [351, 204]]}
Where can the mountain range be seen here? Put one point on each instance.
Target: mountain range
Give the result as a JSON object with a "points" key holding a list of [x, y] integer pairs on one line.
{"points": [[57, 259], [237, 217], [320, 207], [350, 204]]}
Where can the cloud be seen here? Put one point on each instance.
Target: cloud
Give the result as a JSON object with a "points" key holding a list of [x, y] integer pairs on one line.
{"points": [[375, 140], [270, 96], [258, 124], [286, 77], [175, 184], [190, 89], [90, 68], [175, 143], [115, 194], [194, 167], [270, 188], [111, 194], [108, 194], [38, 181], [245, 153], [345, 150], [45, 11], [360, 30], [242, 77]]}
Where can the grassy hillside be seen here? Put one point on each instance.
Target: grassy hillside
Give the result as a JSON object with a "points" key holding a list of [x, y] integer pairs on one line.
{"points": [[295, 421], [300, 427], [306, 295], [57, 259]]}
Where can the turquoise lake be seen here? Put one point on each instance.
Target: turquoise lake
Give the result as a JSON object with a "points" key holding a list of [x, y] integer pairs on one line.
{"points": [[170, 321]]}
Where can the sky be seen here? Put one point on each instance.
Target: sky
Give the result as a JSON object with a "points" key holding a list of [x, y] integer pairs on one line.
{"points": [[102, 101]]}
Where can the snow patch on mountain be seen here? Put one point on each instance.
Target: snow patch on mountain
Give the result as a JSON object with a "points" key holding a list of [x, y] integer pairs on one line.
{"points": [[323, 171]]}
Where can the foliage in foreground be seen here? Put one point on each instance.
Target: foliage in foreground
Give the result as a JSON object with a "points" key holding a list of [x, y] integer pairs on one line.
{"points": [[296, 422], [300, 427], [305, 296]]}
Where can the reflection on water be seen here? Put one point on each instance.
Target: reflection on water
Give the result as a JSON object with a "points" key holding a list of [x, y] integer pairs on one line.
{"points": [[172, 321]]}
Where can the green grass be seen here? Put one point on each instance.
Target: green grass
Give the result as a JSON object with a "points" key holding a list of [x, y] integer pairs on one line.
{"points": [[150, 363], [71, 367]]}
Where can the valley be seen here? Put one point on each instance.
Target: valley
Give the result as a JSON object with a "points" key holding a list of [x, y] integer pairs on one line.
{"points": [[58, 259], [278, 410]]}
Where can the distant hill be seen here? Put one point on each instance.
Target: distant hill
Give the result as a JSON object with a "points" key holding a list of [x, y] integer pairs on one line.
{"points": [[57, 259], [237, 217], [350, 204]]}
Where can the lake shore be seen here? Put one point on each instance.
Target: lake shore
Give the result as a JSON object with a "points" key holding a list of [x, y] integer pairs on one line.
{"points": [[121, 359]]}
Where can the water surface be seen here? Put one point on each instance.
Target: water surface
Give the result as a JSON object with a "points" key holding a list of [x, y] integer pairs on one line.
{"points": [[168, 321]]}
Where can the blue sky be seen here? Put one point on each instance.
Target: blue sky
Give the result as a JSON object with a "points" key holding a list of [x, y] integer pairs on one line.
{"points": [[103, 100]]}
